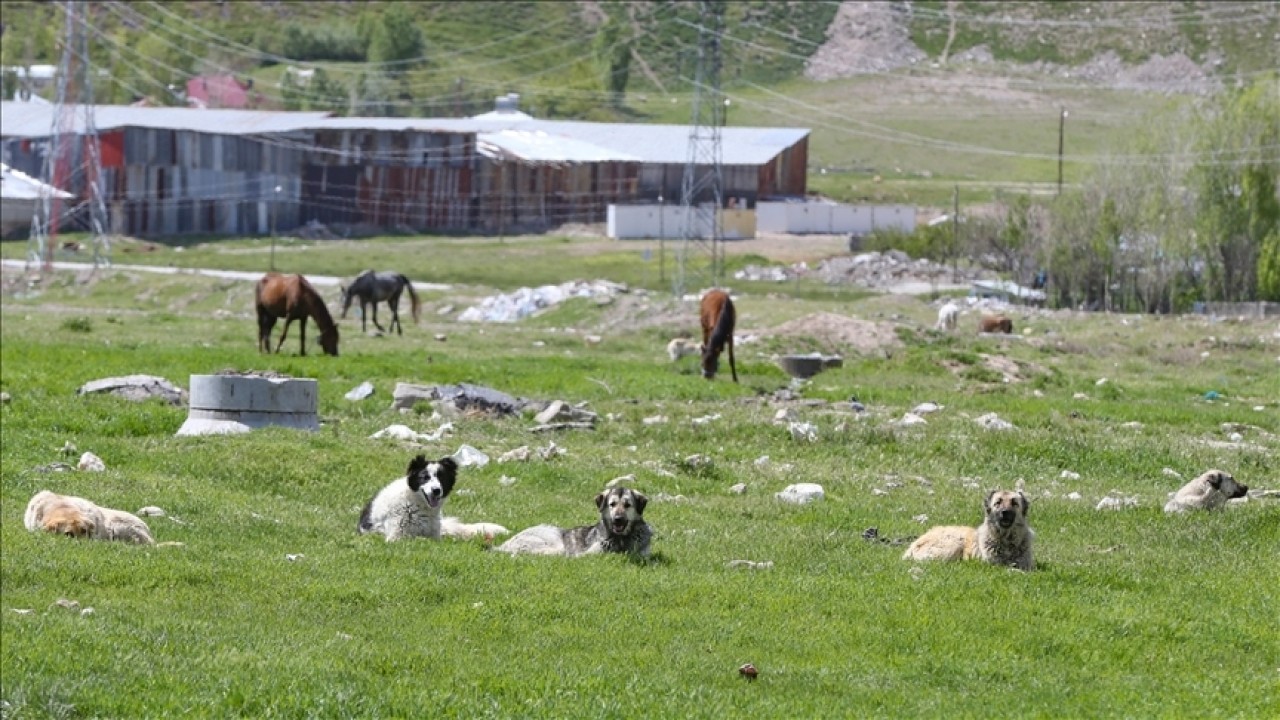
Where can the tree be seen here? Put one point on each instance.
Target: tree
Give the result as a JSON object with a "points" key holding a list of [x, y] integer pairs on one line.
{"points": [[613, 58], [397, 38], [1235, 184]]}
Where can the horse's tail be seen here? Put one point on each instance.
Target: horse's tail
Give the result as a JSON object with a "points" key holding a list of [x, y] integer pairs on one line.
{"points": [[413, 296]]}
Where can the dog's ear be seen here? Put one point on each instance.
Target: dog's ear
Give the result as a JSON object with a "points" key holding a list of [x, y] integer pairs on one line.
{"points": [[414, 474], [640, 502], [449, 465], [600, 501], [986, 503], [1215, 479], [1026, 503]]}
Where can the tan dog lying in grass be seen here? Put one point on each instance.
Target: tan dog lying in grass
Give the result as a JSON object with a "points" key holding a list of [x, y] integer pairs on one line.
{"points": [[1002, 539], [77, 517], [1210, 491]]}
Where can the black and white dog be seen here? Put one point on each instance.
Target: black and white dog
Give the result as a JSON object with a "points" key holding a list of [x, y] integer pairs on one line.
{"points": [[621, 529], [412, 506]]}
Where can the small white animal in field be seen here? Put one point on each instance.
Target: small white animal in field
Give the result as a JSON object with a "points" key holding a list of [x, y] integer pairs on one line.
{"points": [[681, 347], [948, 316]]}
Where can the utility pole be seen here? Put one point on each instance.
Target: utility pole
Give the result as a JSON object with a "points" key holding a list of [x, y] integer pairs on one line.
{"points": [[702, 189], [1062, 126], [955, 234]]}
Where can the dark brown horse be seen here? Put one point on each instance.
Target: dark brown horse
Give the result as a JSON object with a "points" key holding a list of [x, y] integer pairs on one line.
{"points": [[293, 298], [718, 318]]}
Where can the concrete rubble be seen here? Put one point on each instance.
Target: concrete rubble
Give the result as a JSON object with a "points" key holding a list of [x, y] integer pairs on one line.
{"points": [[137, 388], [521, 303]]}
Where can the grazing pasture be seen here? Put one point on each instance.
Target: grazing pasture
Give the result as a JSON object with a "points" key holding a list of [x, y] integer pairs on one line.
{"points": [[274, 606]]}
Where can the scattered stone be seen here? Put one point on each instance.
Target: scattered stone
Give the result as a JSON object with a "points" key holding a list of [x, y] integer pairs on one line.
{"points": [[991, 421], [505, 481], [550, 451], [698, 461], [68, 604], [916, 572], [706, 419], [1235, 437], [801, 493], [294, 558], [1079, 396], [1101, 382], [91, 463], [1069, 475], [360, 392], [783, 416], [592, 339], [5, 398], [87, 611], [803, 431], [926, 408], [921, 518], [655, 420], [463, 396], [762, 462], [55, 467], [910, 419], [628, 479], [69, 449], [467, 456], [749, 565], [664, 497], [23, 611], [738, 489], [1132, 425], [445, 310], [137, 388], [1170, 472], [151, 511], [1117, 503], [441, 337], [563, 426], [1074, 496]]}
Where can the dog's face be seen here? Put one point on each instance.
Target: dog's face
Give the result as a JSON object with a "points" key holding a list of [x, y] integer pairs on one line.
{"points": [[67, 520], [1006, 509], [434, 479], [621, 509], [1225, 484]]}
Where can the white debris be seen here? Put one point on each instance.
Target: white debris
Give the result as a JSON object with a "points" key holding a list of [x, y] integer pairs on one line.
{"points": [[784, 415], [801, 493], [1074, 496], [505, 481], [467, 456], [1132, 425], [655, 420], [697, 461], [407, 434], [1235, 437], [519, 454], [151, 511], [525, 301], [294, 557], [738, 489], [921, 518], [803, 431], [360, 392], [916, 572], [1170, 472], [91, 463], [991, 421], [762, 462], [749, 564], [706, 419], [1101, 382], [1079, 396], [926, 408], [910, 419], [664, 497], [550, 451], [1117, 503], [87, 611], [1069, 475]]}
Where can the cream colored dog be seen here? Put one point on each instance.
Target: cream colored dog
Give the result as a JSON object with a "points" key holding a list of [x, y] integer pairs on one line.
{"points": [[1210, 491], [680, 347], [77, 517], [1002, 539]]}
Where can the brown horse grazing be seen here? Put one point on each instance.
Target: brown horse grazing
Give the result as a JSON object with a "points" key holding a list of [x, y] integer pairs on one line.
{"points": [[293, 298], [718, 318], [995, 324]]}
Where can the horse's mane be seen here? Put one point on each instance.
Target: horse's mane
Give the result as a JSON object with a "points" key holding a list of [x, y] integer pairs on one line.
{"points": [[724, 325], [319, 310]]}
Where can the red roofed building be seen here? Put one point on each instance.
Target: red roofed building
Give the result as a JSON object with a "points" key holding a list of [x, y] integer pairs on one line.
{"points": [[220, 91]]}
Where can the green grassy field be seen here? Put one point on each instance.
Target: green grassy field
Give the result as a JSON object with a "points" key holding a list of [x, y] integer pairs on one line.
{"points": [[1129, 614]]}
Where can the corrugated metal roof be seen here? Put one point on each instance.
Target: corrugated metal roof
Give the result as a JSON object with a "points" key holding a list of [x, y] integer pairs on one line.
{"points": [[17, 185], [533, 139], [31, 120], [536, 146]]}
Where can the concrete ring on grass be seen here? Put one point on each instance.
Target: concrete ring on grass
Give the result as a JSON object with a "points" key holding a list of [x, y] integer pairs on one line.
{"points": [[222, 404]]}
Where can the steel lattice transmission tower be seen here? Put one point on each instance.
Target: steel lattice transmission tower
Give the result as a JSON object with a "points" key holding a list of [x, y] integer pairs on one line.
{"points": [[701, 255], [72, 157]]}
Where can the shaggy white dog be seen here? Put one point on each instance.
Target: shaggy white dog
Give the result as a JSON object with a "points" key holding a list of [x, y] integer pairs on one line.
{"points": [[948, 316]]}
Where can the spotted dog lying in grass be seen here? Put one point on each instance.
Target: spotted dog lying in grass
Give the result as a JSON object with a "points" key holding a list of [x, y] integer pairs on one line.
{"points": [[412, 506], [76, 517], [621, 529]]}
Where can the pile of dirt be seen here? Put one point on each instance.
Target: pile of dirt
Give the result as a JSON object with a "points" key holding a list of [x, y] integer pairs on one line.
{"points": [[839, 334], [864, 37]]}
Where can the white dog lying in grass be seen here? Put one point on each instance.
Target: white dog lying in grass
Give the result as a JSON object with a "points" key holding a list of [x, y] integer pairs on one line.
{"points": [[411, 506]]}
